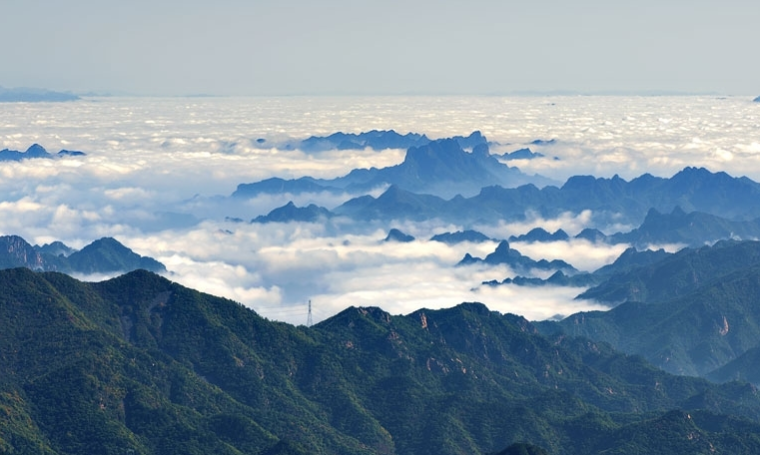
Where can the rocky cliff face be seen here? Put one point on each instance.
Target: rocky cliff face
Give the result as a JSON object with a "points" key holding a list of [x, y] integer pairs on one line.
{"points": [[16, 252]]}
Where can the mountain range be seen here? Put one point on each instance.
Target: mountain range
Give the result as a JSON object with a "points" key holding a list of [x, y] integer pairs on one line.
{"points": [[32, 95], [521, 154], [375, 140], [441, 167], [541, 235], [138, 364], [612, 201], [630, 259], [452, 238], [102, 256], [692, 313], [34, 151], [505, 255]]}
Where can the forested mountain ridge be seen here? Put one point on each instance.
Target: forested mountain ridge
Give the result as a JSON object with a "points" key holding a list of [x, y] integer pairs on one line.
{"points": [[140, 363], [691, 312]]}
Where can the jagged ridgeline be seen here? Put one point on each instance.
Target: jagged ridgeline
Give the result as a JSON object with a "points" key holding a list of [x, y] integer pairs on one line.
{"points": [[724, 204], [105, 255], [139, 364]]}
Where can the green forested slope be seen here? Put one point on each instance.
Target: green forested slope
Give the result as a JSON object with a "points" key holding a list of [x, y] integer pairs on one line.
{"points": [[141, 363], [690, 313]]}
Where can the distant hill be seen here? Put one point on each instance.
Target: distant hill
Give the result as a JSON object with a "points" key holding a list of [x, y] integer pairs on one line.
{"points": [[394, 203], [35, 151], [375, 140], [757, 100], [441, 167], [33, 95], [691, 229], [290, 213], [105, 255], [521, 154], [138, 364], [505, 255], [395, 235], [453, 238], [541, 235], [630, 259], [677, 274], [612, 200], [592, 235]]}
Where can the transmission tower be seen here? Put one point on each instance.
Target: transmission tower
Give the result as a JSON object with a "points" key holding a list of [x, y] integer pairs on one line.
{"points": [[309, 321]]}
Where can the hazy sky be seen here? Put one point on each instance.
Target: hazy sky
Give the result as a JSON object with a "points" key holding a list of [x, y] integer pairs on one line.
{"points": [[282, 47]]}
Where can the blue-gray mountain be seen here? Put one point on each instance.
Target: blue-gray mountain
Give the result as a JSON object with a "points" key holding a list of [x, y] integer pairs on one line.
{"points": [[505, 255], [452, 238], [290, 213], [521, 154], [612, 201], [693, 229], [395, 235], [375, 140], [35, 151], [541, 235], [441, 167], [33, 95], [630, 259], [675, 228], [105, 255], [690, 313]]}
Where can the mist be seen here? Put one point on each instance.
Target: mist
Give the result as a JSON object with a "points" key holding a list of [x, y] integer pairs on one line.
{"points": [[158, 174]]}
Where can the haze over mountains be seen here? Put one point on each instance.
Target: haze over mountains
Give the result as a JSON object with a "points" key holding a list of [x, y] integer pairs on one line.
{"points": [[441, 167], [152, 366], [35, 151], [34, 95], [691, 190]]}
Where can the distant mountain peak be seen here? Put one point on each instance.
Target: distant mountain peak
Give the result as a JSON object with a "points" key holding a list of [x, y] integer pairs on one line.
{"points": [[460, 236], [441, 167], [35, 151], [105, 255], [290, 212], [502, 248], [540, 234], [396, 235], [108, 255], [506, 255]]}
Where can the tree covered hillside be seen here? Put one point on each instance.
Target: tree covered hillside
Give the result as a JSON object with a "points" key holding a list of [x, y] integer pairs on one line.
{"points": [[140, 363]]}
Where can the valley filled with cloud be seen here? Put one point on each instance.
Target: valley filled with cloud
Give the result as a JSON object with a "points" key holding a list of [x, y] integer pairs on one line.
{"points": [[158, 175]]}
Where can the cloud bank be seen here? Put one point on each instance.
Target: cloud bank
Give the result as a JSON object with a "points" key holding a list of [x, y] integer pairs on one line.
{"points": [[157, 173]]}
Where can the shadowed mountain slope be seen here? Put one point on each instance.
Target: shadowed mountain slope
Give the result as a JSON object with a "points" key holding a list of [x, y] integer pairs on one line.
{"points": [[689, 313]]}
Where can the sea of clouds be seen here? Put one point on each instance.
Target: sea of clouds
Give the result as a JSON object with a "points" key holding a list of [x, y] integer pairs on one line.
{"points": [[158, 173]]}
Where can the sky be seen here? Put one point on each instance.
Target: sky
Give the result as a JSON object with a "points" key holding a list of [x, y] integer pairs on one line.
{"points": [[350, 47]]}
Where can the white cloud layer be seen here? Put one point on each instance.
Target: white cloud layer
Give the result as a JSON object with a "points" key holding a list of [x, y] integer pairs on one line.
{"points": [[155, 166]]}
